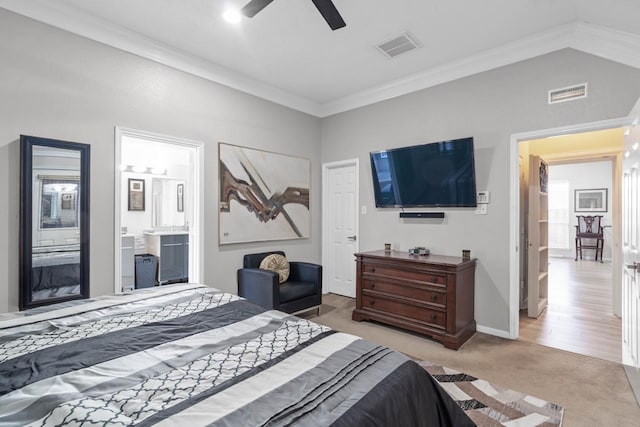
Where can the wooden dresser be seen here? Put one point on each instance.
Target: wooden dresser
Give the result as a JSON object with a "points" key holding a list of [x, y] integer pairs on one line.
{"points": [[432, 295]]}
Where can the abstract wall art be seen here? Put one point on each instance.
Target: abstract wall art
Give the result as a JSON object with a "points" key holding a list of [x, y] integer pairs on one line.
{"points": [[263, 195]]}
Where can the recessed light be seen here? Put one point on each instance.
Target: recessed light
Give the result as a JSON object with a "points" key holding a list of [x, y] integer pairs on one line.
{"points": [[627, 154], [635, 146], [232, 16]]}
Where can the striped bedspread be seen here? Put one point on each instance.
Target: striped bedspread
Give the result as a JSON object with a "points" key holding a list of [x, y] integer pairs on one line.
{"points": [[189, 355]]}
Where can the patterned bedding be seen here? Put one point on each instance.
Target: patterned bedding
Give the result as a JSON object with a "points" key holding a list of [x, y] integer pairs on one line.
{"points": [[191, 355]]}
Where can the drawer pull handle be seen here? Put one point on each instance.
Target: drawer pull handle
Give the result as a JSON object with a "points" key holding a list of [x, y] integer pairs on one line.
{"points": [[373, 285], [434, 297], [434, 317], [372, 302], [373, 270]]}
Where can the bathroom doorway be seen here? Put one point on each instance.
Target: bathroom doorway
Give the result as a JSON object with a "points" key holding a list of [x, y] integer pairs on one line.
{"points": [[158, 182]]}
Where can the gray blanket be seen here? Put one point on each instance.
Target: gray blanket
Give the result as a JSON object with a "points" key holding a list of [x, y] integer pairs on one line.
{"points": [[190, 355]]}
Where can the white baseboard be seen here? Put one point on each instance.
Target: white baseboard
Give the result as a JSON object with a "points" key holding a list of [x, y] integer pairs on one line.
{"points": [[495, 332], [633, 375]]}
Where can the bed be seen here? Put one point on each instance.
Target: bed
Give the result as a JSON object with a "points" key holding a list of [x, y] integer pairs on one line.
{"points": [[191, 355]]}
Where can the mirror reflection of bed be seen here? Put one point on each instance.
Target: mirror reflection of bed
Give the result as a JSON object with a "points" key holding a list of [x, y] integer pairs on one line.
{"points": [[55, 225], [54, 222], [55, 271]]}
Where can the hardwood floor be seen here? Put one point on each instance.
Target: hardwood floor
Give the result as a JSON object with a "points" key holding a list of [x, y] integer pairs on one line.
{"points": [[579, 314]]}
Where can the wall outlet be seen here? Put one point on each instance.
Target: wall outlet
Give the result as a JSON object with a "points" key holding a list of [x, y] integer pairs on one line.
{"points": [[363, 210], [481, 209]]}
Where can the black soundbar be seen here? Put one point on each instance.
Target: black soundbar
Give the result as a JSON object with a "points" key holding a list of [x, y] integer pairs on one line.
{"points": [[421, 214]]}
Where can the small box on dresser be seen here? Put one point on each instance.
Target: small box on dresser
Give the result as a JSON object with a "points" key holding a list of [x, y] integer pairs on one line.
{"points": [[432, 295]]}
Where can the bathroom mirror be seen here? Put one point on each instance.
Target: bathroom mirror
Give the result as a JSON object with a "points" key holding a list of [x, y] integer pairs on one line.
{"points": [[168, 202], [54, 221]]}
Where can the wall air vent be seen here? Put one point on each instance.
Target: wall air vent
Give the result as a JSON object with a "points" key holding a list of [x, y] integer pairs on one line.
{"points": [[398, 45], [568, 93]]}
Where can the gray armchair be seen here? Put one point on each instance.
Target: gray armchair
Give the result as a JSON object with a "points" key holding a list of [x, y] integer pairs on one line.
{"points": [[301, 291]]}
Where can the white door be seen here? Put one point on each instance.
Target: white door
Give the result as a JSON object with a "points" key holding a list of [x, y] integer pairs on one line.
{"points": [[631, 249], [340, 226]]}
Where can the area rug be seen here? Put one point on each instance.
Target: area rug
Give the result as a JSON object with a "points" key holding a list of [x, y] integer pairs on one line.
{"points": [[491, 405]]}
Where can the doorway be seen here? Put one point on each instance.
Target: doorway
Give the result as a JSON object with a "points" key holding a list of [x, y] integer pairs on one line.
{"points": [[581, 311], [340, 225], [158, 210]]}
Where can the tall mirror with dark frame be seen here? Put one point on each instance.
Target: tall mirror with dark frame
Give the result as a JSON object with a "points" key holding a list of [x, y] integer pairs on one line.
{"points": [[54, 221]]}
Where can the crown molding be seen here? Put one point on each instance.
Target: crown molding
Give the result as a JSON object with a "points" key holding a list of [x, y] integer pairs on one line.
{"points": [[97, 29], [614, 45], [617, 46], [520, 50]]}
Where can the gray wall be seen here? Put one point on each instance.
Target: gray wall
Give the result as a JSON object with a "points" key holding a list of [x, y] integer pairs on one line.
{"points": [[58, 85], [490, 107]]}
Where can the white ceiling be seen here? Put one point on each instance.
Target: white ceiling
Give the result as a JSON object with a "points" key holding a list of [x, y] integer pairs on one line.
{"points": [[289, 55]]}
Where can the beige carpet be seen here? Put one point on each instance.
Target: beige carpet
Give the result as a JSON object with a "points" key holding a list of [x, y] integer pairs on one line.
{"points": [[593, 392]]}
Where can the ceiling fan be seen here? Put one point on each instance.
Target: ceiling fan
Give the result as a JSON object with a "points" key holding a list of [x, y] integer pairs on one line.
{"points": [[325, 7]]}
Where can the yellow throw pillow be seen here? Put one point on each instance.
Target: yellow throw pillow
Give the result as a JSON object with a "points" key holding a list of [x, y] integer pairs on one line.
{"points": [[278, 264]]}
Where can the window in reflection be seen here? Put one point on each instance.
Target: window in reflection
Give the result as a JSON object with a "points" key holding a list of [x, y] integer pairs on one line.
{"points": [[59, 202]]}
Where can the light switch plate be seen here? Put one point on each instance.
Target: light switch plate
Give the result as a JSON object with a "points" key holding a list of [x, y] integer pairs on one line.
{"points": [[482, 196]]}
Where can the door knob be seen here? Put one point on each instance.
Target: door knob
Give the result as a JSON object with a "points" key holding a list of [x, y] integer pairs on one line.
{"points": [[633, 266], [352, 238]]}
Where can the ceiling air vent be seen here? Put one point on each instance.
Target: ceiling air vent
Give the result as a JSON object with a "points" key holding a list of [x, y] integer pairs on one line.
{"points": [[398, 45], [568, 93]]}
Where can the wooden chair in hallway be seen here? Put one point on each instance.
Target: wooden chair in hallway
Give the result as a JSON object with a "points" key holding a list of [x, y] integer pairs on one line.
{"points": [[589, 227]]}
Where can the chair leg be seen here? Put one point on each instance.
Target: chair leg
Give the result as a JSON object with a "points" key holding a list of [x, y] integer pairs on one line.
{"points": [[601, 245], [576, 249]]}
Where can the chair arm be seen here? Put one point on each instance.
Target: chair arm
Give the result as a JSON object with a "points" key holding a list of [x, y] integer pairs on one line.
{"points": [[306, 272], [259, 286]]}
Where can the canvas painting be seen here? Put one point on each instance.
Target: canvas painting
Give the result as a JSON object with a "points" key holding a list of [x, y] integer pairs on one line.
{"points": [[263, 195]]}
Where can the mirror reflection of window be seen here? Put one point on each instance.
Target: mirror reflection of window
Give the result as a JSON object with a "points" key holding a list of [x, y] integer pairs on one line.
{"points": [[59, 202]]}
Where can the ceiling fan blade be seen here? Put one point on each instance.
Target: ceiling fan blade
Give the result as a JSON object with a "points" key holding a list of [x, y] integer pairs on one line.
{"points": [[330, 13], [254, 6]]}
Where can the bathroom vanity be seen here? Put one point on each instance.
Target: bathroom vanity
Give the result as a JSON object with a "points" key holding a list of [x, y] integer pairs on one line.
{"points": [[172, 250]]}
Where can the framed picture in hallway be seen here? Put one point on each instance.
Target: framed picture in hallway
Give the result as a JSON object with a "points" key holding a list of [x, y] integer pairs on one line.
{"points": [[591, 200]]}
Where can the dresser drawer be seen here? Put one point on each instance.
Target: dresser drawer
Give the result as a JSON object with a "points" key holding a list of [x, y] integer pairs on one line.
{"points": [[408, 291], [430, 278], [432, 317]]}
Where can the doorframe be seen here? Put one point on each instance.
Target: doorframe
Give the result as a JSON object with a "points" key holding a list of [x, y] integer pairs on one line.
{"points": [[326, 235], [514, 205], [196, 242]]}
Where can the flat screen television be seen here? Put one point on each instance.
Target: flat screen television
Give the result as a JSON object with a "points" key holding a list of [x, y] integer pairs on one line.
{"points": [[439, 174]]}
